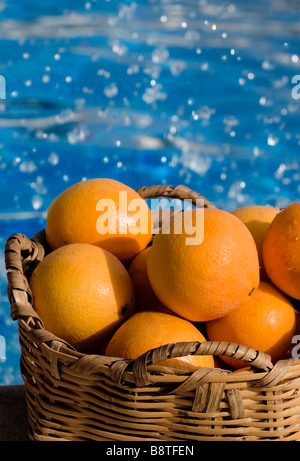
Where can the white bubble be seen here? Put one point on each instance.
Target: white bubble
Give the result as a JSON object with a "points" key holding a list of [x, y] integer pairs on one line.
{"points": [[177, 66], [272, 140], [159, 55], [53, 158], [78, 134], [154, 94], [27, 166], [118, 48], [111, 90], [256, 151], [262, 100], [104, 73], [266, 65], [36, 202]]}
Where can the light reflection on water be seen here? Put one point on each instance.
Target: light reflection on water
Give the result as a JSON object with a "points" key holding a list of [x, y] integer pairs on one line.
{"points": [[193, 92]]}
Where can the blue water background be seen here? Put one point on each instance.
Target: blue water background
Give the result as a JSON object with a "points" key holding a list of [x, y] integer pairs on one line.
{"points": [[147, 92]]}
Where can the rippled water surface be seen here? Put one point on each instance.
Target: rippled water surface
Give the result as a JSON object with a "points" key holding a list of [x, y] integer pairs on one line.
{"points": [[148, 92]]}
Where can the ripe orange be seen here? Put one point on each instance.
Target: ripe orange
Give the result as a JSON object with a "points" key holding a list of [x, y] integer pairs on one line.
{"points": [[281, 250], [258, 219], [266, 322], [148, 329], [96, 212], [204, 281], [145, 298], [82, 294]]}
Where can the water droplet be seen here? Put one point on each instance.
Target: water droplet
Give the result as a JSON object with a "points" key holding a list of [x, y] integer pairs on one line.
{"points": [[272, 140], [37, 202], [177, 66], [53, 158], [111, 90], [27, 166], [159, 55]]}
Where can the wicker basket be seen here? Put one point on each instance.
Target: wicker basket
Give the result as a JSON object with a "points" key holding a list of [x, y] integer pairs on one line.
{"points": [[80, 397]]}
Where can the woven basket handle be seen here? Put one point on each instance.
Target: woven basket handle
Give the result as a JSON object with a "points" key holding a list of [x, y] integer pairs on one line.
{"points": [[179, 192], [21, 257], [257, 359]]}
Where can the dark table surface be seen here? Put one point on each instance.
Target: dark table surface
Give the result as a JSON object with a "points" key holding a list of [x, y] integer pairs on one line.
{"points": [[13, 414]]}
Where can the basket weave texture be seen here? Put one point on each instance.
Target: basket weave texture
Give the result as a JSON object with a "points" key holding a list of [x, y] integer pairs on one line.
{"points": [[81, 397]]}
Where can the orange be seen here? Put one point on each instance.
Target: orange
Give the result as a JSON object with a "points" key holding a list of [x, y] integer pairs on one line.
{"points": [[204, 281], [281, 250], [258, 219], [82, 294], [148, 329], [266, 322], [102, 212], [145, 297]]}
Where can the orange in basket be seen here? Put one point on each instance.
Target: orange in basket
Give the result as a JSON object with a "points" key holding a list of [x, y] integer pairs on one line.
{"points": [[205, 281], [82, 294], [266, 322], [281, 250], [102, 212], [145, 298], [258, 219], [146, 330]]}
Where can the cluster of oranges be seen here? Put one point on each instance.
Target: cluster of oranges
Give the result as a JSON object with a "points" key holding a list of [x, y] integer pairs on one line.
{"points": [[122, 293]]}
